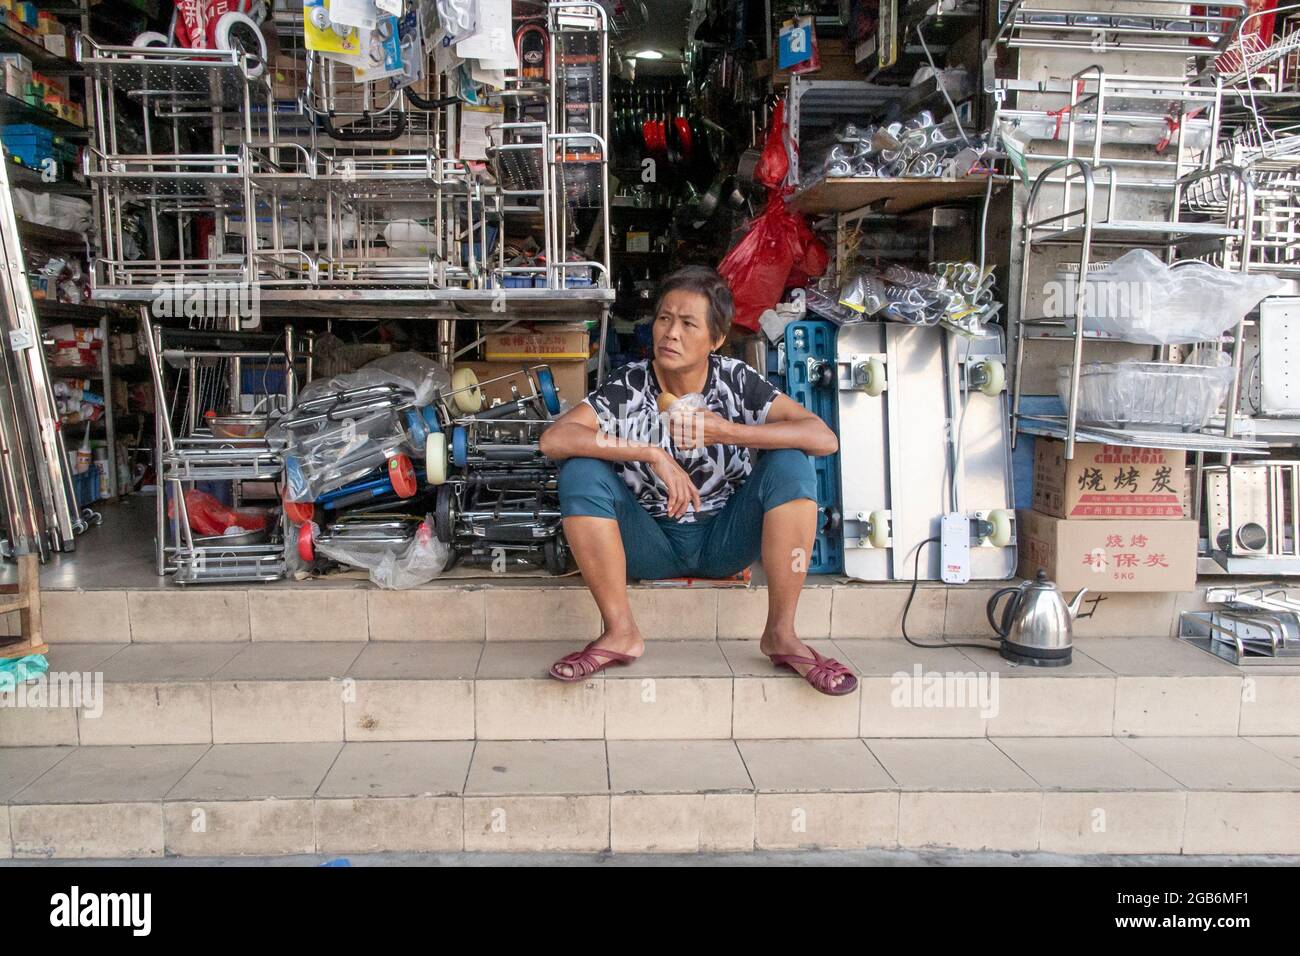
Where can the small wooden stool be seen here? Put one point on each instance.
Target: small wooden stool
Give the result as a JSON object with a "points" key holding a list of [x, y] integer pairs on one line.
{"points": [[28, 605]]}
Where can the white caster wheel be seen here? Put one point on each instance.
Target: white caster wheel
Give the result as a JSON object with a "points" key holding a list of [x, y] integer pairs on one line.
{"points": [[879, 533], [995, 377], [237, 32], [873, 377], [150, 39], [1000, 536], [435, 458], [466, 393]]}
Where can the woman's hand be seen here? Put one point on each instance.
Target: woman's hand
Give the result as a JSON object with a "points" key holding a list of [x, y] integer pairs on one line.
{"points": [[699, 428], [681, 490]]}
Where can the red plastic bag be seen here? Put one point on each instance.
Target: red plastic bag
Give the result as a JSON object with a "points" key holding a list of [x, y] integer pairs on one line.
{"points": [[778, 252], [208, 516], [774, 161]]}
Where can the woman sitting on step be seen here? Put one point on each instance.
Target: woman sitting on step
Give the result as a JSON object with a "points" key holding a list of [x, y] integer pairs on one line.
{"points": [[649, 495]]}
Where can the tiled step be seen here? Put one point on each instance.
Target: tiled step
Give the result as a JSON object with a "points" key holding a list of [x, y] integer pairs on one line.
{"points": [[548, 611], [1193, 795], [330, 692]]}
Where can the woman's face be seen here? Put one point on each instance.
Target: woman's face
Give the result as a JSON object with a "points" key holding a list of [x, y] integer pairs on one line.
{"points": [[682, 338]]}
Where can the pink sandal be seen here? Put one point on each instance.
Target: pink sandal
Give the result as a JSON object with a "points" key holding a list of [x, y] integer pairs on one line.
{"points": [[587, 662], [823, 673]]}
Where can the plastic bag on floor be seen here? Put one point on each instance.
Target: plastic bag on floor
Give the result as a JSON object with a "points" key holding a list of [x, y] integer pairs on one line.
{"points": [[422, 560], [1141, 299], [19, 670]]}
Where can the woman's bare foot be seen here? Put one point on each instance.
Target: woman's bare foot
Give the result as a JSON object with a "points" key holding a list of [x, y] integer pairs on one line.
{"points": [[774, 642], [623, 641]]}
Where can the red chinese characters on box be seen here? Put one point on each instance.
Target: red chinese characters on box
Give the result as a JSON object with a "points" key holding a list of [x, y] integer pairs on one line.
{"points": [[1108, 481], [1116, 554]]}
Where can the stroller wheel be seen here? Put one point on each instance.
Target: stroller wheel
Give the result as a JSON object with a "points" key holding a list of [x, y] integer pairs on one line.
{"points": [[546, 386], [556, 556], [466, 393], [435, 458], [444, 514], [459, 447], [402, 474], [307, 541], [299, 512]]}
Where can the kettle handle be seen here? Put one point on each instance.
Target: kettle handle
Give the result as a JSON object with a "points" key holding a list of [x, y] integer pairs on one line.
{"points": [[1004, 627]]}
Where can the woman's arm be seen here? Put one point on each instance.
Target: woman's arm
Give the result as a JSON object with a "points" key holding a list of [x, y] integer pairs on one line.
{"points": [[577, 434], [788, 425]]}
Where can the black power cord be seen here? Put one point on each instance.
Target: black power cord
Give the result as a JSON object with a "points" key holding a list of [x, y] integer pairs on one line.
{"points": [[916, 579]]}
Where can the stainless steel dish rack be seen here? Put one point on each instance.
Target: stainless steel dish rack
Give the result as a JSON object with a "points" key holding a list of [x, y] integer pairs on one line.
{"points": [[304, 185], [1134, 26], [1197, 206], [1253, 625]]}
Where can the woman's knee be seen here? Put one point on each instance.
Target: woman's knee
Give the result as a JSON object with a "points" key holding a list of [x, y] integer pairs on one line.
{"points": [[587, 486], [786, 473]]}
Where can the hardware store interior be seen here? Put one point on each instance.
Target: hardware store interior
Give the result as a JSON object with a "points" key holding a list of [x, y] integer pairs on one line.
{"points": [[294, 290]]}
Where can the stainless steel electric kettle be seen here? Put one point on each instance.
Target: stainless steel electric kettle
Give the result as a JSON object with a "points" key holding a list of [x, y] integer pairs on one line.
{"points": [[1036, 624]]}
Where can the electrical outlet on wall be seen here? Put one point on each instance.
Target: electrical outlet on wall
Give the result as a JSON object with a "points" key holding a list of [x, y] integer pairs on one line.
{"points": [[954, 548]]}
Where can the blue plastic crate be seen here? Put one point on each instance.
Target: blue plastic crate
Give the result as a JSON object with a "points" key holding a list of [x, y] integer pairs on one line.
{"points": [[86, 487], [1022, 459], [815, 339], [261, 379], [33, 145]]}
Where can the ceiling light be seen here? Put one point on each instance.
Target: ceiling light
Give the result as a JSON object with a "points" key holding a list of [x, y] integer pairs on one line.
{"points": [[649, 55]]}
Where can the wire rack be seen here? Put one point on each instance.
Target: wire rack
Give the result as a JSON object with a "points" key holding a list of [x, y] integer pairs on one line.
{"points": [[293, 174]]}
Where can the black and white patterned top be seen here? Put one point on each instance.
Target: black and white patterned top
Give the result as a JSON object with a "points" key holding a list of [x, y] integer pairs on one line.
{"points": [[626, 406]]}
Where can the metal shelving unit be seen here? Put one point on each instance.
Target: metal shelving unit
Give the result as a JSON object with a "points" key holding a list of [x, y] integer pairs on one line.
{"points": [[62, 242], [1096, 104]]}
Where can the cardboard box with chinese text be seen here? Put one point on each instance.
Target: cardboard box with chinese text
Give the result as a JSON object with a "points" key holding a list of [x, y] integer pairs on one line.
{"points": [[557, 343], [1117, 554], [1108, 481], [570, 379]]}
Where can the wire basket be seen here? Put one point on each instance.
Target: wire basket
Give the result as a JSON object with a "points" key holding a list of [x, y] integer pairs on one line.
{"points": [[1155, 395]]}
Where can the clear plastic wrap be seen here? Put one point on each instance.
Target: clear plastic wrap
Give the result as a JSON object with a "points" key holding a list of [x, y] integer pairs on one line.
{"points": [[338, 447], [1141, 299], [419, 562], [1155, 395], [417, 374], [329, 459]]}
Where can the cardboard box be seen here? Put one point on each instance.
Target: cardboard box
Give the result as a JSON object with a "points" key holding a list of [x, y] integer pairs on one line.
{"points": [[1119, 554], [1108, 481], [561, 343], [16, 80], [570, 379], [288, 77], [56, 43], [836, 64]]}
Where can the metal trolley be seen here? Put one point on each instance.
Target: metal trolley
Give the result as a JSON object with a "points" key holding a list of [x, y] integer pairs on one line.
{"points": [[496, 493], [198, 374]]}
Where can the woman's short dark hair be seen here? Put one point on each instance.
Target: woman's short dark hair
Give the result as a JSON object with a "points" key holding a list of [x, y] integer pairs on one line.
{"points": [[705, 282]]}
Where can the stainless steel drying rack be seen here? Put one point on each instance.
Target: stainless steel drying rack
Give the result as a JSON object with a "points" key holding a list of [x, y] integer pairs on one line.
{"points": [[1091, 225], [1252, 625], [1133, 26]]}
